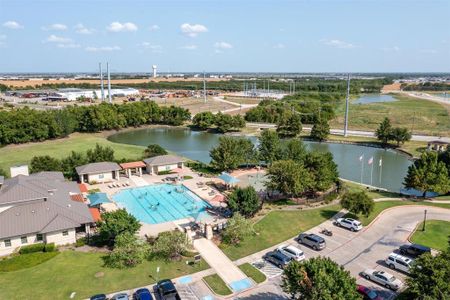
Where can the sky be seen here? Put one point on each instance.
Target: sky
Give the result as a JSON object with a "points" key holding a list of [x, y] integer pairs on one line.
{"points": [[225, 36]]}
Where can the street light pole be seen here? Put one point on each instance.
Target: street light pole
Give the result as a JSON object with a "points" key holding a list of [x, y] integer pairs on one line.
{"points": [[424, 219]]}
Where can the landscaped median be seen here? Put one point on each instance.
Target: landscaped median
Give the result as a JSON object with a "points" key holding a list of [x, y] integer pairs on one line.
{"points": [[84, 274], [435, 236]]}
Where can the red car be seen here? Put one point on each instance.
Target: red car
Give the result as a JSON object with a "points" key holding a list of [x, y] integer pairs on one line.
{"points": [[368, 294]]}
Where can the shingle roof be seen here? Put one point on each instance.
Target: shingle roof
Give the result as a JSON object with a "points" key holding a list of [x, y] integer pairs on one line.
{"points": [[99, 167], [164, 160], [40, 201]]}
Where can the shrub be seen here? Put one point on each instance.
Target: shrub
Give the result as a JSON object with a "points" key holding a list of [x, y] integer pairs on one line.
{"points": [[80, 242], [32, 248], [169, 245], [50, 247], [164, 172]]}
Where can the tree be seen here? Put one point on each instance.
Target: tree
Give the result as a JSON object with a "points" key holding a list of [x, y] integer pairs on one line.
{"points": [[318, 278], [400, 135], [384, 131], [289, 126], [154, 150], [320, 130], [244, 201], [294, 150], [322, 169], [204, 120], [3, 173], [238, 228], [227, 123], [70, 162], [429, 276], [358, 203], [288, 177], [269, 146], [117, 222], [169, 245], [230, 153], [428, 174], [100, 154], [44, 163], [128, 251]]}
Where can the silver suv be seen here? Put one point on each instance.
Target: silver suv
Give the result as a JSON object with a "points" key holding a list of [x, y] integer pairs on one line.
{"points": [[399, 262], [352, 224], [312, 240]]}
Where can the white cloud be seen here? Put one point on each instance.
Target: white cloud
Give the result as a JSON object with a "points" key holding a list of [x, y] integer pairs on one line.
{"points": [[103, 49], [122, 27], [279, 46], [154, 28], [429, 51], [391, 49], [337, 44], [223, 45], [12, 25], [56, 26], [190, 47], [58, 39], [154, 48], [68, 46], [192, 30], [81, 29]]}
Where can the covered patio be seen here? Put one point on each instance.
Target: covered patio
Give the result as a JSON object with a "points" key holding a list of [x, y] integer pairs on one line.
{"points": [[133, 168]]}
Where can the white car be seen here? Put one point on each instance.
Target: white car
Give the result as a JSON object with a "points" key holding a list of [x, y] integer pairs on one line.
{"points": [[352, 224], [385, 279], [399, 262], [292, 252]]}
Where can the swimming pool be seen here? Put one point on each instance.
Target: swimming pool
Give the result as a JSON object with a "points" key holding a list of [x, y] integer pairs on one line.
{"points": [[160, 203]]}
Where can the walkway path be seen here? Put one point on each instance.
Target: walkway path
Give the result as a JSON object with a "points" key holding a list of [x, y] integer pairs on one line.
{"points": [[223, 266], [138, 181]]}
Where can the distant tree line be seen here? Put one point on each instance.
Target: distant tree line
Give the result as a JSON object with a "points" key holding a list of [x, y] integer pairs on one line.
{"points": [[28, 125], [221, 122], [426, 86]]}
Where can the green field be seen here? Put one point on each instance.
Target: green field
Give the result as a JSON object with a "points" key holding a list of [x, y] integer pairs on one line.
{"points": [[84, 274], [421, 116], [25, 261], [217, 285], [436, 234], [22, 154], [278, 226]]}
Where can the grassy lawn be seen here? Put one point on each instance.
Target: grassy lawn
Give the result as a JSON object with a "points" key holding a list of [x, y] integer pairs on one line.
{"points": [[354, 187], [84, 274], [278, 226], [217, 285], [252, 272], [435, 236], [22, 154], [423, 116], [380, 206], [24, 261]]}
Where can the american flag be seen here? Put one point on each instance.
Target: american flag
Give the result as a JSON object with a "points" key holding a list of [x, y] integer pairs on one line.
{"points": [[361, 157], [370, 161]]}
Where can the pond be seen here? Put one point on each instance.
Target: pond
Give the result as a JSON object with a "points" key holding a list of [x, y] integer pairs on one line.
{"points": [[374, 98], [196, 145]]}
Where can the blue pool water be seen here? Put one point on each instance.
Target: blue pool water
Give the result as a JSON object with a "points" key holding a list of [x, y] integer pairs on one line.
{"points": [[160, 203]]}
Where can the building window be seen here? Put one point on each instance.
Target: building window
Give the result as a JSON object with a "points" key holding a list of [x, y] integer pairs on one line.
{"points": [[65, 233], [39, 237], [101, 176], [7, 243], [23, 239]]}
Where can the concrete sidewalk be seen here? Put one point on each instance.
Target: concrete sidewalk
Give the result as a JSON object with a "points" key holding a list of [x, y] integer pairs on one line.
{"points": [[217, 260]]}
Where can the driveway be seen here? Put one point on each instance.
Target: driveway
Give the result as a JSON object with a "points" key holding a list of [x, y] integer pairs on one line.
{"points": [[367, 248]]}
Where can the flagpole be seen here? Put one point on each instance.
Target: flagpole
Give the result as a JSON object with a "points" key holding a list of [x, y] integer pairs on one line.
{"points": [[381, 168], [362, 168], [371, 175]]}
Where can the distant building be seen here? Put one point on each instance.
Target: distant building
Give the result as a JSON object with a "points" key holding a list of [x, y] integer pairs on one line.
{"points": [[41, 208], [438, 146], [163, 163]]}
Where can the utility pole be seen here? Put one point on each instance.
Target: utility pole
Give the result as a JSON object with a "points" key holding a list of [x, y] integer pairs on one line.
{"points": [[101, 83], [204, 87], [346, 105], [109, 83]]}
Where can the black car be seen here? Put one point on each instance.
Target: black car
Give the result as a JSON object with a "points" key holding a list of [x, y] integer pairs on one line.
{"points": [[98, 297], [143, 294], [165, 289], [277, 258], [414, 250]]}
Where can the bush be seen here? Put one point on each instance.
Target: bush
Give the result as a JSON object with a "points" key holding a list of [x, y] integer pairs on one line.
{"points": [[32, 248], [50, 247], [186, 177], [80, 242], [164, 172], [169, 245]]}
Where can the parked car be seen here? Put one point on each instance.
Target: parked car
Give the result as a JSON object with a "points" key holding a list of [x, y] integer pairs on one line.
{"points": [[143, 294], [367, 293], [414, 250], [99, 297], [165, 289], [120, 296], [399, 262], [312, 240], [352, 224], [277, 258], [385, 279], [292, 252]]}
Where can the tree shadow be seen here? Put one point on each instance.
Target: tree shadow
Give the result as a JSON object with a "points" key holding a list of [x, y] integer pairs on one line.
{"points": [[264, 295], [328, 213]]}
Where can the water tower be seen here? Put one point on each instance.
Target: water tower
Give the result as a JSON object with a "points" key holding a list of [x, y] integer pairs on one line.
{"points": [[154, 71]]}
